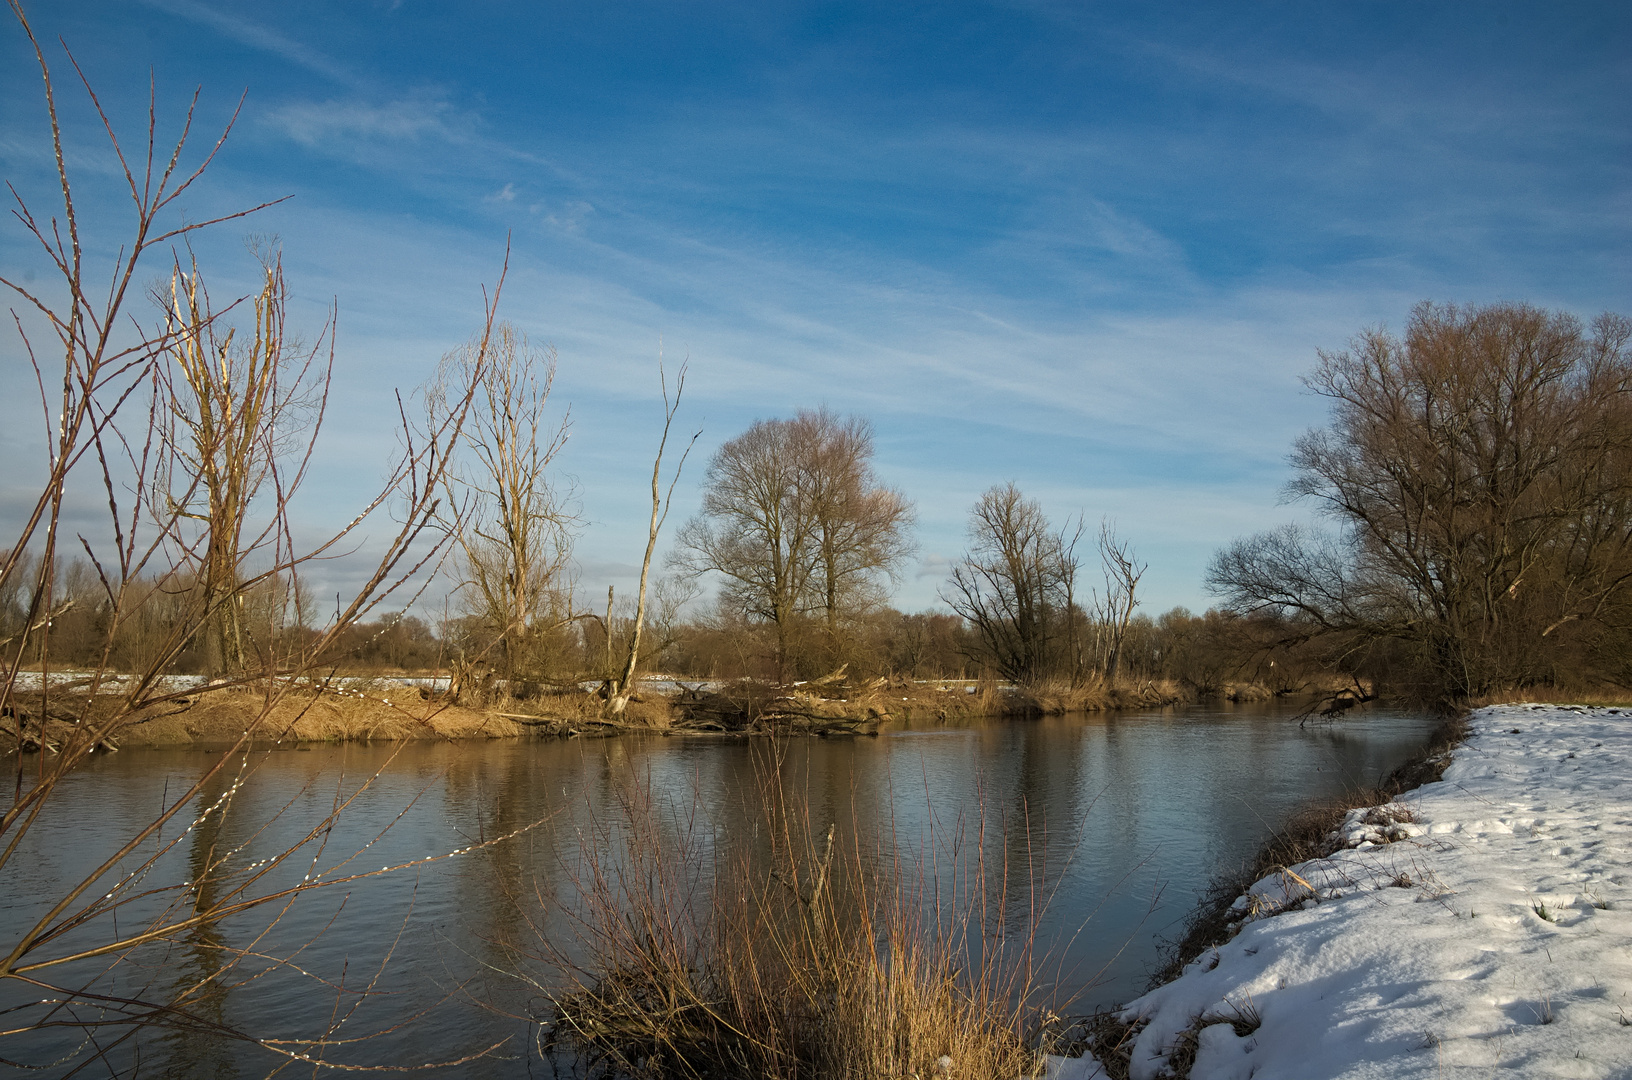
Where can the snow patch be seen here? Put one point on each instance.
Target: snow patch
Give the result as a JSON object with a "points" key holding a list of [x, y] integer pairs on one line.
{"points": [[1479, 924]]}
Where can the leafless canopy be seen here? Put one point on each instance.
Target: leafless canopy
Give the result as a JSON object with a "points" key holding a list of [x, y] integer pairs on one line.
{"points": [[511, 517], [1479, 471], [798, 524], [1123, 572], [235, 413]]}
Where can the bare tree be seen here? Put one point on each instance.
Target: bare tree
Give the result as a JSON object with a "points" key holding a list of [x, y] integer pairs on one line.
{"points": [[1014, 584], [1479, 471], [795, 520], [1123, 571], [618, 698], [755, 530], [65, 963], [231, 405], [515, 536]]}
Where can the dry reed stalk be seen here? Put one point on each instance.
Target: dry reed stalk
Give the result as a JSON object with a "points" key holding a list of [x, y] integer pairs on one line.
{"points": [[821, 958]]}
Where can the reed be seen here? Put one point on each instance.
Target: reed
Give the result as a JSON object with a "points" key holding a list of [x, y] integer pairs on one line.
{"points": [[826, 959]]}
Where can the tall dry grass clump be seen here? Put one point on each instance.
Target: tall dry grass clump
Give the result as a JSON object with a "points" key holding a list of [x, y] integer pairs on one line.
{"points": [[816, 959], [1052, 697]]}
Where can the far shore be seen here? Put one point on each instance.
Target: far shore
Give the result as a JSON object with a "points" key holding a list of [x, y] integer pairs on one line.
{"points": [[398, 708]]}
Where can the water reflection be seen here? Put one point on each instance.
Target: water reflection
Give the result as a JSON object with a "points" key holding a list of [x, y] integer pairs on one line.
{"points": [[1100, 830], [196, 972]]}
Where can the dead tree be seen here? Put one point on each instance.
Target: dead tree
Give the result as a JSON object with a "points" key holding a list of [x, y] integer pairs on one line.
{"points": [[1123, 572], [230, 406], [623, 686], [514, 526]]}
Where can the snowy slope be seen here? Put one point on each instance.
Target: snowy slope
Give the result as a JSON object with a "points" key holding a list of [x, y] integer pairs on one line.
{"points": [[1490, 932]]}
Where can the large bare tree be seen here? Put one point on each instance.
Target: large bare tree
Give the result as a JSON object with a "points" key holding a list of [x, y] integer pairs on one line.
{"points": [[1479, 471], [861, 527], [795, 519]]}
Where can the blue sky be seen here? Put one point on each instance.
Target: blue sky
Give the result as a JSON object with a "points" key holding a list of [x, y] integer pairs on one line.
{"points": [[1085, 247]]}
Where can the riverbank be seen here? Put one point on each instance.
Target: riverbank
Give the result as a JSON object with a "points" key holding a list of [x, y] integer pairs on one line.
{"points": [[1481, 922], [407, 707]]}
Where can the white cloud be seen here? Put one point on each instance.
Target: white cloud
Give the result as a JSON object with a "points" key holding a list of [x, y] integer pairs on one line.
{"points": [[333, 125], [258, 37]]}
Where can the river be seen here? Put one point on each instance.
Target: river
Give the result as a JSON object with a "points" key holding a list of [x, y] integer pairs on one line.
{"points": [[1110, 823]]}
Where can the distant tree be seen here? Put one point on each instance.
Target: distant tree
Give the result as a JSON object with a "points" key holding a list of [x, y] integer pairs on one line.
{"points": [[928, 645], [1123, 572], [1014, 584], [795, 520], [1479, 471]]}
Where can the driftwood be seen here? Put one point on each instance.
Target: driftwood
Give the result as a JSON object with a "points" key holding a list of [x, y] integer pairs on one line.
{"points": [[761, 709], [564, 727]]}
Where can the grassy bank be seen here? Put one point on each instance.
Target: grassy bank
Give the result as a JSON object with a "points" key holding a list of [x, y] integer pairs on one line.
{"points": [[219, 717], [383, 709]]}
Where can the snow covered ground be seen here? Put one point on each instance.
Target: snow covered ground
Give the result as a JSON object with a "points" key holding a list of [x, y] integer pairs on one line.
{"points": [[1480, 925]]}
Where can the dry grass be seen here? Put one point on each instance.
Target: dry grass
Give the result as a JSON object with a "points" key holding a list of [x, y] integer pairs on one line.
{"points": [[1109, 1039], [221, 716], [1558, 695], [812, 963], [349, 712]]}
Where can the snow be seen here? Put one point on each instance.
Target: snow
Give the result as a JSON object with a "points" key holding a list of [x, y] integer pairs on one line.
{"points": [[1480, 924]]}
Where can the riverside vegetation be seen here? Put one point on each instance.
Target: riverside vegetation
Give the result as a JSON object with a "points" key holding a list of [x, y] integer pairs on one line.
{"points": [[1478, 473]]}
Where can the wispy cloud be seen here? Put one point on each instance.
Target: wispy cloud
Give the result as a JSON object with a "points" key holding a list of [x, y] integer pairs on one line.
{"points": [[259, 37], [336, 124]]}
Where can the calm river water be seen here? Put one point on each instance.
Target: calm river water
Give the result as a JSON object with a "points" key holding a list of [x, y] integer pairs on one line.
{"points": [[1124, 816]]}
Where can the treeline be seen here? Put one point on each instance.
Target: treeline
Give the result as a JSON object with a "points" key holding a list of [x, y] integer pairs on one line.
{"points": [[1202, 653], [1477, 474]]}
